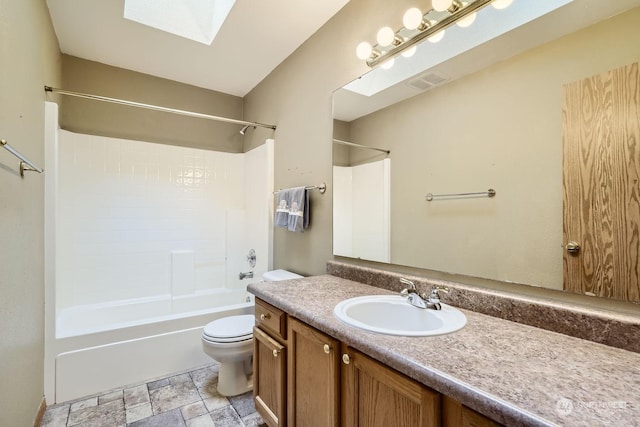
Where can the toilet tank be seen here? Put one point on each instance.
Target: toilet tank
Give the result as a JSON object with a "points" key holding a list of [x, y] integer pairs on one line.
{"points": [[276, 275]]}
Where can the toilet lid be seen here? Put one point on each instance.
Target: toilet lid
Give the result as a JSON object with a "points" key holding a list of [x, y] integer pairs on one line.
{"points": [[232, 328]]}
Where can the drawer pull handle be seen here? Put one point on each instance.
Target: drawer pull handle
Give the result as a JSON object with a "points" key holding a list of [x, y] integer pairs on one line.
{"points": [[345, 359], [265, 316], [327, 349], [275, 353]]}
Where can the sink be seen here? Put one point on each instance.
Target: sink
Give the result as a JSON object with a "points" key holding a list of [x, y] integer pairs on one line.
{"points": [[393, 315]]}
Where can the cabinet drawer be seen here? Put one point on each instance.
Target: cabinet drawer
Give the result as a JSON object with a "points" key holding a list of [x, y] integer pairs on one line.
{"points": [[272, 319]]}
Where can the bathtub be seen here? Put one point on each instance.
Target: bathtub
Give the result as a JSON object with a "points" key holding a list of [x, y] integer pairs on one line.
{"points": [[105, 346]]}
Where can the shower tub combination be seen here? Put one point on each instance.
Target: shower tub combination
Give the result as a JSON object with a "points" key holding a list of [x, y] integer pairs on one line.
{"points": [[101, 348], [154, 239]]}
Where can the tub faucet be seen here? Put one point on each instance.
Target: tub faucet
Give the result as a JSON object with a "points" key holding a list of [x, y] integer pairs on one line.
{"points": [[248, 275]]}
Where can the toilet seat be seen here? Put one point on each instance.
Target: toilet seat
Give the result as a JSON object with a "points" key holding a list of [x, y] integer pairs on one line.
{"points": [[230, 329]]}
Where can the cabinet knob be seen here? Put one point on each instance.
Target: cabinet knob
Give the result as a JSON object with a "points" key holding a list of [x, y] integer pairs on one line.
{"points": [[327, 349], [345, 359], [265, 316], [275, 353]]}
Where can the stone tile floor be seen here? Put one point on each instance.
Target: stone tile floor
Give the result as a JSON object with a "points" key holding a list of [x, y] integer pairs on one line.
{"points": [[189, 399]]}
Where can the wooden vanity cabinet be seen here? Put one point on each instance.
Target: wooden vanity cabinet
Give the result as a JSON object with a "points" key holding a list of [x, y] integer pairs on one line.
{"points": [[375, 395], [313, 382], [270, 364], [303, 377]]}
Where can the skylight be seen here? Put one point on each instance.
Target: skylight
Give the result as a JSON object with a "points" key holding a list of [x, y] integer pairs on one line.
{"points": [[197, 20]]}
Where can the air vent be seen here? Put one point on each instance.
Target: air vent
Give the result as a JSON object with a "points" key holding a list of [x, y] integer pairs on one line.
{"points": [[427, 81]]}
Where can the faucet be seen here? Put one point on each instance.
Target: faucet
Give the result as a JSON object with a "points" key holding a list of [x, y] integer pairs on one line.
{"points": [[248, 275], [422, 300]]}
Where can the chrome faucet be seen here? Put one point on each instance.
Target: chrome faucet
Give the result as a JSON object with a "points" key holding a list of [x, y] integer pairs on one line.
{"points": [[422, 300], [248, 275]]}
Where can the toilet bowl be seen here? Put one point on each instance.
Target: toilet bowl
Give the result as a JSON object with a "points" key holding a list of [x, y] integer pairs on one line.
{"points": [[229, 340]]}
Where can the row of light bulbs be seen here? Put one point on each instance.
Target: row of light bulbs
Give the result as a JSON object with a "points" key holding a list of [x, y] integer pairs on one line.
{"points": [[414, 20]]}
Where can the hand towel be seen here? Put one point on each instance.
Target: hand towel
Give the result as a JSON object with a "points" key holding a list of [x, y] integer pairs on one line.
{"points": [[298, 209], [281, 217]]}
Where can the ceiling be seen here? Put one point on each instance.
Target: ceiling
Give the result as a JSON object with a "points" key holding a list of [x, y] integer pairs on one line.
{"points": [[255, 38]]}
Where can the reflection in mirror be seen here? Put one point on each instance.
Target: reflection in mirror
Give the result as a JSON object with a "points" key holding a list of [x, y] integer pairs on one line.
{"points": [[492, 117], [361, 210]]}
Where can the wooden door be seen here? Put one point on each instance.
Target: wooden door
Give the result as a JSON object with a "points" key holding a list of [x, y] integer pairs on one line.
{"points": [[375, 395], [601, 171], [313, 387], [269, 378]]}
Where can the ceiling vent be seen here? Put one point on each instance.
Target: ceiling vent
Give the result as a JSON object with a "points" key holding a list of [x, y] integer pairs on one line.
{"points": [[427, 81]]}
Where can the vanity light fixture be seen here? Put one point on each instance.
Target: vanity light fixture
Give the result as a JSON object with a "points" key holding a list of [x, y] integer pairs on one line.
{"points": [[419, 26]]}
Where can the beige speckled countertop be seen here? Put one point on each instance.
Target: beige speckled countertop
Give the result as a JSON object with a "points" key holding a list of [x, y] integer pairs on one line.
{"points": [[513, 373]]}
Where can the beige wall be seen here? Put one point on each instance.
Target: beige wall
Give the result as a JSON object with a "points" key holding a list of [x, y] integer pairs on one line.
{"points": [[100, 118], [30, 59], [297, 97]]}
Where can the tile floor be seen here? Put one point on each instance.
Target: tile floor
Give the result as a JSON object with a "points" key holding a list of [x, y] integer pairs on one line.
{"points": [[189, 399]]}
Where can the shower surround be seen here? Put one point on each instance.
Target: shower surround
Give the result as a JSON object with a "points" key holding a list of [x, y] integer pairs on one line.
{"points": [[144, 246]]}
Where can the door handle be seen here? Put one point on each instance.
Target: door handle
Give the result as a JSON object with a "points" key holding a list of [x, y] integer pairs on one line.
{"points": [[573, 248]]}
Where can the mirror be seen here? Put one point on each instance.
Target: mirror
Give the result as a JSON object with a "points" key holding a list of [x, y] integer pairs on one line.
{"points": [[488, 118]]}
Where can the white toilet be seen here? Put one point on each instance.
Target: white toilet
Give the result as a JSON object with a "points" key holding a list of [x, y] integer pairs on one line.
{"points": [[229, 341]]}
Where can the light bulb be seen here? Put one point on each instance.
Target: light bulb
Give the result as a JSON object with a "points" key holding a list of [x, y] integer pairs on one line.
{"points": [[441, 5], [501, 4], [363, 50], [387, 64], [412, 18], [408, 53], [467, 20], [385, 36]]}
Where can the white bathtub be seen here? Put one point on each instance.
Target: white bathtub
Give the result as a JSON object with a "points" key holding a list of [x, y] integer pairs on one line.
{"points": [[106, 346]]}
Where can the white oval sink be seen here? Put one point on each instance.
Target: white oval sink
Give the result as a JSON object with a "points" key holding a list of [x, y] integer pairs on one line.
{"points": [[393, 315]]}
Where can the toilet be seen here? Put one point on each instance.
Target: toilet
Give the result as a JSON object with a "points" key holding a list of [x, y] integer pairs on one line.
{"points": [[229, 341]]}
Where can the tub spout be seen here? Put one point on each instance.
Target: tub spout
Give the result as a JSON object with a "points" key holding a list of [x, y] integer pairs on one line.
{"points": [[248, 275]]}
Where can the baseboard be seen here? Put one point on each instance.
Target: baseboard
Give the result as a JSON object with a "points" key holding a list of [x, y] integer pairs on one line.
{"points": [[40, 414]]}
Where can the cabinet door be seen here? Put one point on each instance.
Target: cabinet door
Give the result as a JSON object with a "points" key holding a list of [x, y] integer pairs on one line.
{"points": [[313, 387], [269, 378], [455, 414], [375, 395]]}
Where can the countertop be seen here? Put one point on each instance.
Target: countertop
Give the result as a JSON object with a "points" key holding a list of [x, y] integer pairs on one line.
{"points": [[513, 373]]}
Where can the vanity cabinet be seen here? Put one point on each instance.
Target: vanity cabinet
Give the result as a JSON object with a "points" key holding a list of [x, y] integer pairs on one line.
{"points": [[303, 377], [375, 395]]}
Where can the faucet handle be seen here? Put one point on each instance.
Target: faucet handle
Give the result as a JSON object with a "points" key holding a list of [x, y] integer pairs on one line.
{"points": [[408, 282], [438, 288], [410, 289], [435, 293]]}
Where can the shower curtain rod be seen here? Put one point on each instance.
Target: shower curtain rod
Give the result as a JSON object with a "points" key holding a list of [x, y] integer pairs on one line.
{"points": [[156, 108], [353, 144]]}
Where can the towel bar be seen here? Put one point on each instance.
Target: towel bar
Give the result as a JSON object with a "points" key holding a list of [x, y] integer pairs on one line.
{"points": [[322, 187], [489, 193], [25, 164]]}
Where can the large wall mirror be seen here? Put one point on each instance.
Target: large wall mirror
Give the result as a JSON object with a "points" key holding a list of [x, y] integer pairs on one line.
{"points": [[489, 117]]}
